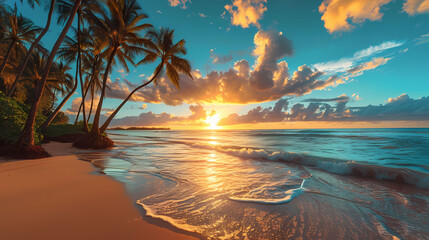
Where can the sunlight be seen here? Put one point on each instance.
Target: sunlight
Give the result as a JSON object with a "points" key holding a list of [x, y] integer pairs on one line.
{"points": [[212, 121]]}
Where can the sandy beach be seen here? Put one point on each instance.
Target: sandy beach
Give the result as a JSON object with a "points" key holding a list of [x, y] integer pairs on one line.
{"points": [[63, 198]]}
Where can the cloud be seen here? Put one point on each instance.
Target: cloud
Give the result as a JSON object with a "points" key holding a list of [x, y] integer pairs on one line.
{"points": [[220, 59], [267, 80], [246, 12], [76, 104], [259, 114], [347, 63], [341, 98], [401, 108], [413, 7], [196, 118], [270, 47], [359, 69], [120, 90], [175, 3], [340, 15], [144, 106], [372, 50], [424, 38]]}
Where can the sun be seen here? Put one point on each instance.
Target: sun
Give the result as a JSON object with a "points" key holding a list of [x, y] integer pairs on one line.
{"points": [[212, 121]]}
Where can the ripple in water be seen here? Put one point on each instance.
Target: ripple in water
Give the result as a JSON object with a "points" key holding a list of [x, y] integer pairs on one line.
{"points": [[248, 184]]}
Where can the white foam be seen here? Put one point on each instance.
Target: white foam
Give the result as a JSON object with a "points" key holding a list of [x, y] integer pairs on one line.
{"points": [[290, 194], [340, 167], [177, 223]]}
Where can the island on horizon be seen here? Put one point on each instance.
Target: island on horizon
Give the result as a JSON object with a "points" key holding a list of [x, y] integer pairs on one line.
{"points": [[139, 128]]}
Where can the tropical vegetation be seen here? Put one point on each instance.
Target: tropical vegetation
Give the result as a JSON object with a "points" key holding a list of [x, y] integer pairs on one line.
{"points": [[36, 83]]}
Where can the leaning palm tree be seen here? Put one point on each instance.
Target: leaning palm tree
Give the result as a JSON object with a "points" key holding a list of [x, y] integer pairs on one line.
{"points": [[18, 32], [120, 31], [34, 44], [25, 144], [94, 65], [64, 7], [58, 81], [69, 54], [170, 56]]}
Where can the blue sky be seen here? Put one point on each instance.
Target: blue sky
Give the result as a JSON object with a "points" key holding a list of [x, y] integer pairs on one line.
{"points": [[208, 26]]}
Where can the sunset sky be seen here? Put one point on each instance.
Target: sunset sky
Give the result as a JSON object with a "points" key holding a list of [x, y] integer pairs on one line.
{"points": [[281, 64]]}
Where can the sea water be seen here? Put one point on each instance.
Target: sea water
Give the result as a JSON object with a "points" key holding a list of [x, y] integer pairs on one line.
{"points": [[278, 184]]}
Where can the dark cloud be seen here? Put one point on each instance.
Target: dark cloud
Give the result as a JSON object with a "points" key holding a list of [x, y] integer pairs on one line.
{"points": [[337, 99], [259, 114], [402, 108], [220, 59], [271, 46], [198, 114]]}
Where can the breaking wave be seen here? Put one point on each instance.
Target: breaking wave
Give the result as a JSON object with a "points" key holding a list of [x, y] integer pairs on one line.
{"points": [[341, 167]]}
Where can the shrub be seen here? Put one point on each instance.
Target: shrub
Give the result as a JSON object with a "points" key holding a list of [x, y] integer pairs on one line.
{"points": [[13, 116]]}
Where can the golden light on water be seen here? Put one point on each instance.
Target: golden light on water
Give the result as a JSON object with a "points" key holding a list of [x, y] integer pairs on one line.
{"points": [[212, 121]]}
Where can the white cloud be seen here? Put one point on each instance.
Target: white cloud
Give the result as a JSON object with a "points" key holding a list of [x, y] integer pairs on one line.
{"points": [[346, 63]]}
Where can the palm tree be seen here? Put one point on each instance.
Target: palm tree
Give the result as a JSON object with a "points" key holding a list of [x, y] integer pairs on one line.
{"points": [[119, 30], [26, 142], [19, 31], [33, 45], [94, 65], [69, 54], [64, 7], [170, 56], [58, 81]]}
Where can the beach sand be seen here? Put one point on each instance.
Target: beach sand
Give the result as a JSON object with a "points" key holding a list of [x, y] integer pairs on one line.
{"points": [[63, 198]]}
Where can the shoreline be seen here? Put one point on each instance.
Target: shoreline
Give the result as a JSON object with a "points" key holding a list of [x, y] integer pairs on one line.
{"points": [[62, 197]]}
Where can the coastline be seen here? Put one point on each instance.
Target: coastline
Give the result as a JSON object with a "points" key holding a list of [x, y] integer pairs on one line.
{"points": [[61, 198]]}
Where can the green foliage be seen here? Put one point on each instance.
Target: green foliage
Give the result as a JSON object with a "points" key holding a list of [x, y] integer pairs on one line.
{"points": [[13, 116], [62, 129], [60, 118]]}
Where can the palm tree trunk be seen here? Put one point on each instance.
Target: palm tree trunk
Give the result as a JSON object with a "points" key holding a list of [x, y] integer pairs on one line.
{"points": [[53, 103], [54, 114], [95, 125], [85, 123], [77, 77], [6, 58], [23, 64], [106, 124], [92, 104], [84, 97], [27, 135], [78, 114]]}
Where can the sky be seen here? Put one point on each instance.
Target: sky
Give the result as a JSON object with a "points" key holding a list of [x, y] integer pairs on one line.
{"points": [[280, 64]]}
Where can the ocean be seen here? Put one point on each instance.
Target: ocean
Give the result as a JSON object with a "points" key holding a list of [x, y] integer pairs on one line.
{"points": [[277, 184]]}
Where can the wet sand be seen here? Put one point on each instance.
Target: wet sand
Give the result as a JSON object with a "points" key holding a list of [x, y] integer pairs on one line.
{"points": [[63, 198]]}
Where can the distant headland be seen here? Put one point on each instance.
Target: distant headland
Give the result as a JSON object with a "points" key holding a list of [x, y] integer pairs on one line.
{"points": [[139, 128]]}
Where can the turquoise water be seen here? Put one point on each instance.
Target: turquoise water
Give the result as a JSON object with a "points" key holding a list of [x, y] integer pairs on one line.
{"points": [[278, 184]]}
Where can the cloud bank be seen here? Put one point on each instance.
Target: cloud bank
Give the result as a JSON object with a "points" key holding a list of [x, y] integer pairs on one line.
{"points": [[401, 108]]}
